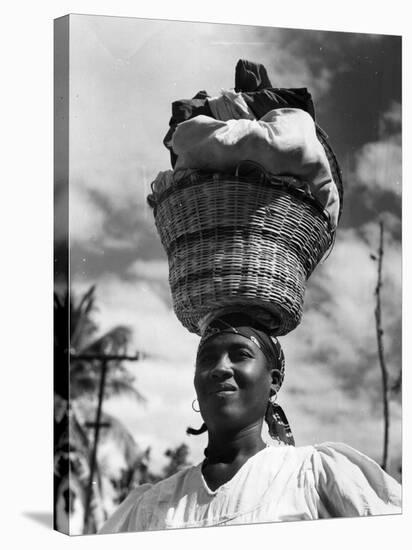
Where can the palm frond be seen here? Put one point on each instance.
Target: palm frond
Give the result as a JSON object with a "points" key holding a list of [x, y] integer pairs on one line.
{"points": [[78, 436], [85, 380], [120, 381], [115, 341], [87, 301], [84, 387], [119, 387]]}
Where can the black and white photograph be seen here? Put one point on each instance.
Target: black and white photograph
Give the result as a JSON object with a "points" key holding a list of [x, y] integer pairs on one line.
{"points": [[205, 275], [229, 216]]}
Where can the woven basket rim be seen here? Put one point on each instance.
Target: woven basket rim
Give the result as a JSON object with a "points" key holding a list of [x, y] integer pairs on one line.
{"points": [[199, 177], [333, 163]]}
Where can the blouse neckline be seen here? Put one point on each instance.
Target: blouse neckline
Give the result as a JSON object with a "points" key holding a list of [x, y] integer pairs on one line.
{"points": [[227, 484]]}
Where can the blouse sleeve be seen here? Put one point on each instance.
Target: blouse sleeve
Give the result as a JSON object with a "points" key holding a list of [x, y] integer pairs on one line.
{"points": [[118, 522], [351, 484]]}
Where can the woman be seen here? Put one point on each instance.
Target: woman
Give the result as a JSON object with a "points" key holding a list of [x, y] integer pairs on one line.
{"points": [[239, 370]]}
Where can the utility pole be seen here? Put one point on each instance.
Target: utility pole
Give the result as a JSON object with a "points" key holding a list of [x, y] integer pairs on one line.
{"points": [[104, 361]]}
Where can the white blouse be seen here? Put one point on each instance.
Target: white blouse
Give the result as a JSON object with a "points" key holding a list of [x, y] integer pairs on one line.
{"points": [[281, 483]]}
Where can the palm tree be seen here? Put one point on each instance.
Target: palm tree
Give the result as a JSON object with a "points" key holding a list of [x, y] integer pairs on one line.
{"points": [[85, 375], [76, 383]]}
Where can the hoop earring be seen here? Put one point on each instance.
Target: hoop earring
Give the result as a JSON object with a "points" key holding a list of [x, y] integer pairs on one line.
{"points": [[193, 406]]}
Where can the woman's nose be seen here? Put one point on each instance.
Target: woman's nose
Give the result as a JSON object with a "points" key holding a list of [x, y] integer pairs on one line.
{"points": [[222, 368]]}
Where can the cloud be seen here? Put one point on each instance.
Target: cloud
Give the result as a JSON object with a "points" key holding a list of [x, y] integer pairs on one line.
{"points": [[108, 205], [379, 164], [338, 327], [155, 273], [86, 219], [391, 121], [152, 270]]}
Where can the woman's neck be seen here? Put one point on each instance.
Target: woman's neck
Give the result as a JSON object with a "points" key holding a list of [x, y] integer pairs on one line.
{"points": [[226, 447]]}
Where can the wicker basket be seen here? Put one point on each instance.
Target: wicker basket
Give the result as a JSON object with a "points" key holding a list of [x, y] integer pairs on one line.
{"points": [[235, 241]]}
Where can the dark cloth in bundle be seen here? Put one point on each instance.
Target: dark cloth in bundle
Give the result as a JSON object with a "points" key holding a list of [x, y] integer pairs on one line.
{"points": [[252, 81], [185, 109]]}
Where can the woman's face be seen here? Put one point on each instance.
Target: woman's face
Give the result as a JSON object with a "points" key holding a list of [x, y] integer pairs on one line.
{"points": [[232, 382]]}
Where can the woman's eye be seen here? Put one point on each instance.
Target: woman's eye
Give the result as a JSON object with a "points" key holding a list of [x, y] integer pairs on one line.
{"points": [[242, 354]]}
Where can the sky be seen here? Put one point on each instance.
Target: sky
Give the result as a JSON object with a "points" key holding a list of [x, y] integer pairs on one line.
{"points": [[124, 75]]}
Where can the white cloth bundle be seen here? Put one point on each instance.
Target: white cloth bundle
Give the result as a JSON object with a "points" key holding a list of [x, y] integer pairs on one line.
{"points": [[283, 142], [230, 105]]}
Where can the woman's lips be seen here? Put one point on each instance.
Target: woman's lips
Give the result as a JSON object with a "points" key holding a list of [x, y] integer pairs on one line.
{"points": [[223, 389]]}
